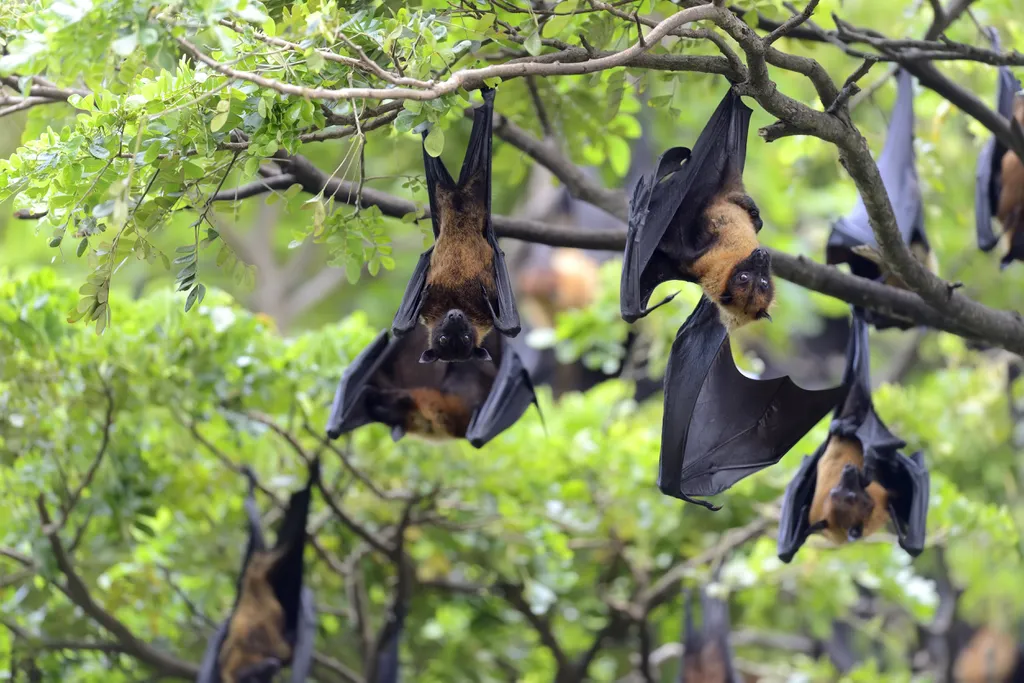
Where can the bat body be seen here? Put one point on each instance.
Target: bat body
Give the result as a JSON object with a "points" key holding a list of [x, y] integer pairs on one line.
{"points": [[273, 622], [999, 180], [719, 426], [460, 289], [990, 656], [693, 221], [707, 655], [475, 400], [857, 481], [852, 240]]}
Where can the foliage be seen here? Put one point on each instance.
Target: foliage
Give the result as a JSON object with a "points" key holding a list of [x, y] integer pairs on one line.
{"points": [[574, 522]]}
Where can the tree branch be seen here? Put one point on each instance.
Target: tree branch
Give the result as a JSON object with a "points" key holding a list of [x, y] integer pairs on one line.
{"points": [[76, 590]]}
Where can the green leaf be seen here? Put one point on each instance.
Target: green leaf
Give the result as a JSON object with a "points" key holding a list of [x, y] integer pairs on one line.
{"points": [[218, 121], [434, 142], [533, 44], [492, 82], [125, 45], [315, 62], [82, 246], [193, 296]]}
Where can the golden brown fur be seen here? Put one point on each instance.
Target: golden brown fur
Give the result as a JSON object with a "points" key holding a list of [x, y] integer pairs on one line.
{"points": [[462, 261], [989, 657], [732, 228], [569, 281], [437, 415], [256, 630], [838, 453], [706, 666]]}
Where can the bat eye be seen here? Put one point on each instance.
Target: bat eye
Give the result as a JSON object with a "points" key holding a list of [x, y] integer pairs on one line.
{"points": [[465, 339], [764, 282], [743, 278], [443, 341]]}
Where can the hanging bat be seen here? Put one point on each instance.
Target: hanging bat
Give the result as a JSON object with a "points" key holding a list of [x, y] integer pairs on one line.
{"points": [[693, 221], [857, 480], [707, 655], [475, 400], [273, 622], [852, 240], [1000, 169], [990, 656], [460, 288], [720, 426]]}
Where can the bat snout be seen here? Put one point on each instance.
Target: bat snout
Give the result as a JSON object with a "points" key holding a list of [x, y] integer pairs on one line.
{"points": [[761, 260]]}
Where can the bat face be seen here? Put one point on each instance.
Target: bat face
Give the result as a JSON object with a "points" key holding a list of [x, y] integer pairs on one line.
{"points": [[749, 291], [455, 338], [849, 506]]}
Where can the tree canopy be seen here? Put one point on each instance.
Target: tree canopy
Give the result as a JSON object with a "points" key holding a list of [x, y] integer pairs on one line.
{"points": [[231, 193]]}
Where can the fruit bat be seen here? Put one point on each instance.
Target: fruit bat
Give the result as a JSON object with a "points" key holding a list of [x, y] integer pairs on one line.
{"points": [[460, 288], [853, 242], [990, 656], [719, 425], [999, 180], [707, 655], [475, 400], [273, 621], [693, 221], [857, 480]]}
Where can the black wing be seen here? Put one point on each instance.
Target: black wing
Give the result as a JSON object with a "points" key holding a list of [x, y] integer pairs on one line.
{"points": [[794, 523], [286, 579], [509, 397], [662, 240], [741, 425], [305, 638], [209, 671], [407, 317], [348, 410], [856, 417], [908, 482], [988, 178], [897, 167]]}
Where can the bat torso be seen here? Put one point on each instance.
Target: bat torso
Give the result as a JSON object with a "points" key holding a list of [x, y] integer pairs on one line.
{"points": [[1011, 196], [707, 665], [437, 415], [989, 657], [838, 453], [462, 264], [256, 630]]}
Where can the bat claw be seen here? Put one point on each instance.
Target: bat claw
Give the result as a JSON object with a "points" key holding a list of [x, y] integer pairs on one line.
{"points": [[702, 503]]}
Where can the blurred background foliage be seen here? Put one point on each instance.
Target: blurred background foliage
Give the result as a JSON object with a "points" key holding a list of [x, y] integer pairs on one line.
{"points": [[569, 512]]}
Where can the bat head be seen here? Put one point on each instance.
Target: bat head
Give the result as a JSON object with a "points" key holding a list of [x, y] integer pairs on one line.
{"points": [[454, 339], [749, 291], [849, 504]]}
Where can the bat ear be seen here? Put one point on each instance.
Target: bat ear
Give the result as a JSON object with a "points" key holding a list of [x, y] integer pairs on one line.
{"points": [[429, 356], [397, 432], [480, 353], [761, 315]]}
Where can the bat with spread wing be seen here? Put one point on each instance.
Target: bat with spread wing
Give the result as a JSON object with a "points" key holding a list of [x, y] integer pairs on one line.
{"points": [[999, 181], [857, 480], [273, 622], [693, 221], [476, 400], [853, 242], [707, 655], [720, 426], [460, 288]]}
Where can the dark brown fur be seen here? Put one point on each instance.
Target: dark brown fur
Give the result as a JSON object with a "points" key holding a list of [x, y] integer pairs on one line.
{"points": [[256, 630], [706, 666], [425, 412], [462, 265], [989, 657], [841, 515], [730, 220], [1011, 196]]}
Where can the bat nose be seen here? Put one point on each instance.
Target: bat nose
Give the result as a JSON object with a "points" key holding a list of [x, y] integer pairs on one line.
{"points": [[760, 257], [454, 315]]}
